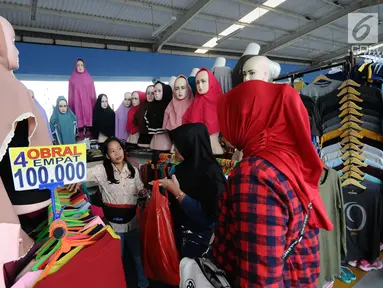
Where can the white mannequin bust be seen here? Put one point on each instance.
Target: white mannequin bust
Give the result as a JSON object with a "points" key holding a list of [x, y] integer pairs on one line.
{"points": [[257, 68], [275, 70], [128, 99], [219, 62], [181, 88], [133, 138], [202, 84], [252, 49], [194, 72], [172, 80]]}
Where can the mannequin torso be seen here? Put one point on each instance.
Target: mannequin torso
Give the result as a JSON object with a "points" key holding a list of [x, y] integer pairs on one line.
{"points": [[133, 129]]}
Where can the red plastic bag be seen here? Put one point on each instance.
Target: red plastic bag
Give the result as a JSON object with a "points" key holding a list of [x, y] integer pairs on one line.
{"points": [[160, 256]]}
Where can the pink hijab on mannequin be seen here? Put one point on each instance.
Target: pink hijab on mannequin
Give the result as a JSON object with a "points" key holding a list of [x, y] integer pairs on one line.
{"points": [[16, 243], [177, 108], [82, 96]]}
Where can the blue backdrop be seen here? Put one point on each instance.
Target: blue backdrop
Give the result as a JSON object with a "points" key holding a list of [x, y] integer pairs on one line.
{"points": [[48, 62]]}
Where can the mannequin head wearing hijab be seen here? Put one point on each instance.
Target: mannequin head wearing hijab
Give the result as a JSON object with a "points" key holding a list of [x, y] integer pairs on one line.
{"points": [[136, 99], [63, 106], [104, 101], [128, 99], [256, 68], [158, 92], [80, 66], [9, 53], [150, 93], [202, 82], [182, 89]]}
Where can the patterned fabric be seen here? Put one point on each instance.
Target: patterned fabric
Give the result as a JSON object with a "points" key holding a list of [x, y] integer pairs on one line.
{"points": [[260, 217]]}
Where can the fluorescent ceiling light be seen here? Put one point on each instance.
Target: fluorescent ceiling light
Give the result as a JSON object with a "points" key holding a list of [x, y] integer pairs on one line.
{"points": [[201, 51], [248, 18]]}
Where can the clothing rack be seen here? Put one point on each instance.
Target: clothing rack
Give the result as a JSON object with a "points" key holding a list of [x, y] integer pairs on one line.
{"points": [[300, 73]]}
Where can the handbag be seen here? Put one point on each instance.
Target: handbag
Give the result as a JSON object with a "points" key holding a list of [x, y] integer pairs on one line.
{"points": [[201, 272]]}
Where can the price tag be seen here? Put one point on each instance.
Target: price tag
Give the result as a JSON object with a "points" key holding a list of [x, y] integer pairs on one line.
{"points": [[32, 166]]}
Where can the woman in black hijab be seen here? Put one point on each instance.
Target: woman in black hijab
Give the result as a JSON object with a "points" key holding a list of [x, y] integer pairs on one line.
{"points": [[197, 184], [104, 120]]}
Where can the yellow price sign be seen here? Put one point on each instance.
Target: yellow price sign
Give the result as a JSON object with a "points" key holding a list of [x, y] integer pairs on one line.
{"points": [[33, 166]]}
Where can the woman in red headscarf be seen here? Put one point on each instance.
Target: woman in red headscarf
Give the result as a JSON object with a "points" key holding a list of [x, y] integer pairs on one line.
{"points": [[272, 192]]}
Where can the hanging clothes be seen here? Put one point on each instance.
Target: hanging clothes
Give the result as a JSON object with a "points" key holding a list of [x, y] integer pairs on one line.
{"points": [[177, 108], [131, 125], [332, 243], [155, 115], [139, 120], [63, 125], [204, 107], [104, 119], [121, 121], [82, 96], [224, 77]]}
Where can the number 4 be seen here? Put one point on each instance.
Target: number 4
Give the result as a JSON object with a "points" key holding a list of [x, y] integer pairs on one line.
{"points": [[20, 160]]}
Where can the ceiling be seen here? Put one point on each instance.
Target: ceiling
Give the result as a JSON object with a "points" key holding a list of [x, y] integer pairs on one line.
{"points": [[290, 31]]}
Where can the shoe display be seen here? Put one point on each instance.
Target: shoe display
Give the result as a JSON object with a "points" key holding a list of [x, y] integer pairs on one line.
{"points": [[353, 263]]}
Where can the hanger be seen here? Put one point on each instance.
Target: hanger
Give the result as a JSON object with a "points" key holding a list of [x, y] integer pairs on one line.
{"points": [[350, 104], [352, 174], [349, 90], [348, 82], [322, 77], [350, 97], [352, 168], [350, 111], [351, 125], [355, 161], [354, 182], [350, 146], [352, 133], [351, 118], [352, 154], [351, 139]]}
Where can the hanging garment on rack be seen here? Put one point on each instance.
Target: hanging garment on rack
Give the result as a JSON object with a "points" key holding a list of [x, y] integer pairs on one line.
{"points": [[320, 89], [314, 115], [332, 243], [223, 75]]}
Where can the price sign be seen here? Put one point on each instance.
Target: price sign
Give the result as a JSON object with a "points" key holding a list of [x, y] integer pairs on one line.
{"points": [[32, 166]]}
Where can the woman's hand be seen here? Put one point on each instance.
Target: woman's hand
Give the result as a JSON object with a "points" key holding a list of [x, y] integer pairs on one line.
{"points": [[74, 186], [172, 185]]}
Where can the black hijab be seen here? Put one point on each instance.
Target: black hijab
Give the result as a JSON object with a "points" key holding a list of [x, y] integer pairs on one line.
{"points": [[156, 109], [104, 120], [237, 75], [199, 175]]}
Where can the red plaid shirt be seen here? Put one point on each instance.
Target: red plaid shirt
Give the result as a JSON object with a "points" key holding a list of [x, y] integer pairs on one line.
{"points": [[260, 217]]}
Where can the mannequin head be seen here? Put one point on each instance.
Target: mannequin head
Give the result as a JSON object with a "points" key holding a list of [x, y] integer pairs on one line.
{"points": [[150, 93], [135, 99], [63, 106], [128, 99], [80, 66], [181, 88], [158, 92], [104, 102], [256, 68], [252, 49], [194, 72], [220, 62], [8, 50], [171, 81], [202, 82]]}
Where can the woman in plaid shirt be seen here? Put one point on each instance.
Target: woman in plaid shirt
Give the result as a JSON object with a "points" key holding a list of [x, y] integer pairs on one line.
{"points": [[269, 192]]}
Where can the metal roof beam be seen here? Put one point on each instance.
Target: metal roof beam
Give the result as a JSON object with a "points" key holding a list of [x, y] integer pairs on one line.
{"points": [[339, 53], [181, 22], [288, 13], [284, 41]]}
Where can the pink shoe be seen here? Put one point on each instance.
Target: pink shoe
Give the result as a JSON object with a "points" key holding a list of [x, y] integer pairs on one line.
{"points": [[353, 263], [366, 266]]}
